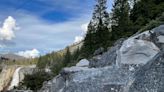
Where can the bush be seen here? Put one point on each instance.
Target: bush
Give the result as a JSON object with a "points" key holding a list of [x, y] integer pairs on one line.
{"points": [[35, 81], [161, 18], [151, 25]]}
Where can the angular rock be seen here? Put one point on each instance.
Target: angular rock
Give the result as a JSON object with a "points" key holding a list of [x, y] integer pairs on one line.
{"points": [[80, 79], [108, 58], [99, 51], [159, 30]]}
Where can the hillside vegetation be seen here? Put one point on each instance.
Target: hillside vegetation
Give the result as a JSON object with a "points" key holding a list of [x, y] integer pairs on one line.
{"points": [[103, 30]]}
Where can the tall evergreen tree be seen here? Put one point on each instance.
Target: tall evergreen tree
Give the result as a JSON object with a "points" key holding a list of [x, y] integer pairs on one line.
{"points": [[67, 57], [100, 13], [98, 29], [120, 18]]}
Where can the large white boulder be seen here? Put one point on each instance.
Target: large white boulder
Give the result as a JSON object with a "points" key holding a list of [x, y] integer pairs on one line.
{"points": [[137, 50], [83, 63]]}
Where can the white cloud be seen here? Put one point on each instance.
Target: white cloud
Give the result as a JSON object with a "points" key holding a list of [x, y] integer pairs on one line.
{"points": [[8, 28], [84, 27], [44, 35], [78, 38], [29, 53]]}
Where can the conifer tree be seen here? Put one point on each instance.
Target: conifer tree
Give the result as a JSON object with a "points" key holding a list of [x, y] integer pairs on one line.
{"points": [[67, 57], [98, 29], [120, 18], [100, 13]]}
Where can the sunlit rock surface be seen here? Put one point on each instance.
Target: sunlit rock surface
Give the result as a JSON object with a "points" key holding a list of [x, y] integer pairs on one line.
{"points": [[137, 51], [5, 77], [15, 79], [82, 63]]}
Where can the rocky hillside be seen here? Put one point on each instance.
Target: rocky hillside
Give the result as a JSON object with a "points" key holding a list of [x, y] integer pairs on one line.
{"points": [[6, 76], [131, 65]]}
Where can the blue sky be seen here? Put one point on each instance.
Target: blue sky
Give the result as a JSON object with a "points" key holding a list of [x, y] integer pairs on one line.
{"points": [[45, 25]]}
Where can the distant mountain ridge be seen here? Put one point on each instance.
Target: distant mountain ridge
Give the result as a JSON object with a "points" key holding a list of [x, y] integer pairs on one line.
{"points": [[11, 56]]}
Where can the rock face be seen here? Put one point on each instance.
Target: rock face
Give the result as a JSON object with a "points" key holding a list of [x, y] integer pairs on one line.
{"points": [[108, 58], [5, 77], [15, 79], [84, 79], [150, 77], [132, 65]]}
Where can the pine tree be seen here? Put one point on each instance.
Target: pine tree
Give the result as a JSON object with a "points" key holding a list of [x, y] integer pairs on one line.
{"points": [[98, 29], [75, 54], [100, 13], [120, 18], [67, 57]]}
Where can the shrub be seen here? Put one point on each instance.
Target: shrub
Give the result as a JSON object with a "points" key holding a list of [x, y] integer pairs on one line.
{"points": [[35, 81]]}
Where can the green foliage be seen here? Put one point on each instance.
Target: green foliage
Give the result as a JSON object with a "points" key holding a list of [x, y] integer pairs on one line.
{"points": [[146, 10], [0, 70], [67, 57], [42, 62], [47, 60], [75, 57], [161, 18], [154, 23], [98, 32], [57, 60], [35, 81], [24, 62], [121, 24], [126, 22], [151, 25]]}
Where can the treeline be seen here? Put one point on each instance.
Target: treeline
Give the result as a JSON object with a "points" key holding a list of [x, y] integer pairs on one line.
{"points": [[57, 60], [22, 62], [127, 17]]}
